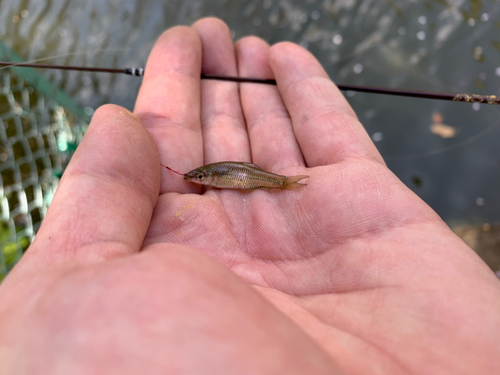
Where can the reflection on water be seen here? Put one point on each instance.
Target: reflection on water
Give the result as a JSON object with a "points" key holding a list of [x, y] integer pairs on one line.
{"points": [[432, 45]]}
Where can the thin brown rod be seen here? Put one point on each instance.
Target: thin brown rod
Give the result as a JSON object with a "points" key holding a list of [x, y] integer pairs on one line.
{"points": [[61, 67], [470, 98]]}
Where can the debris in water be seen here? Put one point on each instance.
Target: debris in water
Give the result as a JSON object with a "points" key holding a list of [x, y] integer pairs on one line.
{"points": [[417, 181], [443, 130]]}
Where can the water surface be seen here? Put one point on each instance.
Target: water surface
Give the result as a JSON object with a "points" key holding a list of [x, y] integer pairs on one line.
{"points": [[451, 46]]}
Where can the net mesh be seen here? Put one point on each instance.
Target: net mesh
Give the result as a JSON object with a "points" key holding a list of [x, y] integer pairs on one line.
{"points": [[37, 138]]}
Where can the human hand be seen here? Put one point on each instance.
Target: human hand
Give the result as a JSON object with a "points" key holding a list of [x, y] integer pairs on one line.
{"points": [[351, 274]]}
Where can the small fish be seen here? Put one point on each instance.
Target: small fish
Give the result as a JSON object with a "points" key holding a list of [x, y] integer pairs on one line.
{"points": [[239, 175]]}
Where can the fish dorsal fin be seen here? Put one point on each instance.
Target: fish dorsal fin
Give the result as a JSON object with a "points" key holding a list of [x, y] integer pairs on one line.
{"points": [[252, 165]]}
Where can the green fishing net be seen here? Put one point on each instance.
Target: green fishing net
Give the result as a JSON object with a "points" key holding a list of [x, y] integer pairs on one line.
{"points": [[40, 128]]}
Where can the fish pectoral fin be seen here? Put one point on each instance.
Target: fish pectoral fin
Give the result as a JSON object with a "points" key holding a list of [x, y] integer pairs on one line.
{"points": [[291, 183]]}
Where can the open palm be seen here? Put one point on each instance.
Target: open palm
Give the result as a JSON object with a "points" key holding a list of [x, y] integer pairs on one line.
{"points": [[358, 275]]}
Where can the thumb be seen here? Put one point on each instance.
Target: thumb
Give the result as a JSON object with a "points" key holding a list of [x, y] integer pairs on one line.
{"points": [[103, 205]]}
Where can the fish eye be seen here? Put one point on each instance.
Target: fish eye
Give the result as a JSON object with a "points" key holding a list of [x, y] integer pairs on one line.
{"points": [[199, 177]]}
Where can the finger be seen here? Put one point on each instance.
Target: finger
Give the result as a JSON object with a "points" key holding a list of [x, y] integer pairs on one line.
{"points": [[325, 125], [272, 140], [224, 132], [106, 197], [169, 105]]}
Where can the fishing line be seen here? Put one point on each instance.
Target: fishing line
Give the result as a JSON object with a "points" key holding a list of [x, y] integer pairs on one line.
{"points": [[14, 64], [170, 169]]}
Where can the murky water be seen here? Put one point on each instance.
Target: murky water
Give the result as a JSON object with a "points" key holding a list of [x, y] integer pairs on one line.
{"points": [[440, 45]]}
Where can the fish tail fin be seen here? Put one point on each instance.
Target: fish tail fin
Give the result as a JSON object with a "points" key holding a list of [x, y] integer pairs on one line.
{"points": [[291, 183]]}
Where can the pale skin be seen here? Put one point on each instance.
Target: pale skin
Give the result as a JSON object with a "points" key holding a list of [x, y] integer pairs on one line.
{"points": [[135, 270]]}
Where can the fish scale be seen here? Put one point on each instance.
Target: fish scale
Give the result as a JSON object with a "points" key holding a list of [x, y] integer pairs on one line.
{"points": [[246, 177]]}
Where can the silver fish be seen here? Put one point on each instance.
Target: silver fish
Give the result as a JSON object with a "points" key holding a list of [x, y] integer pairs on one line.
{"points": [[239, 175]]}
